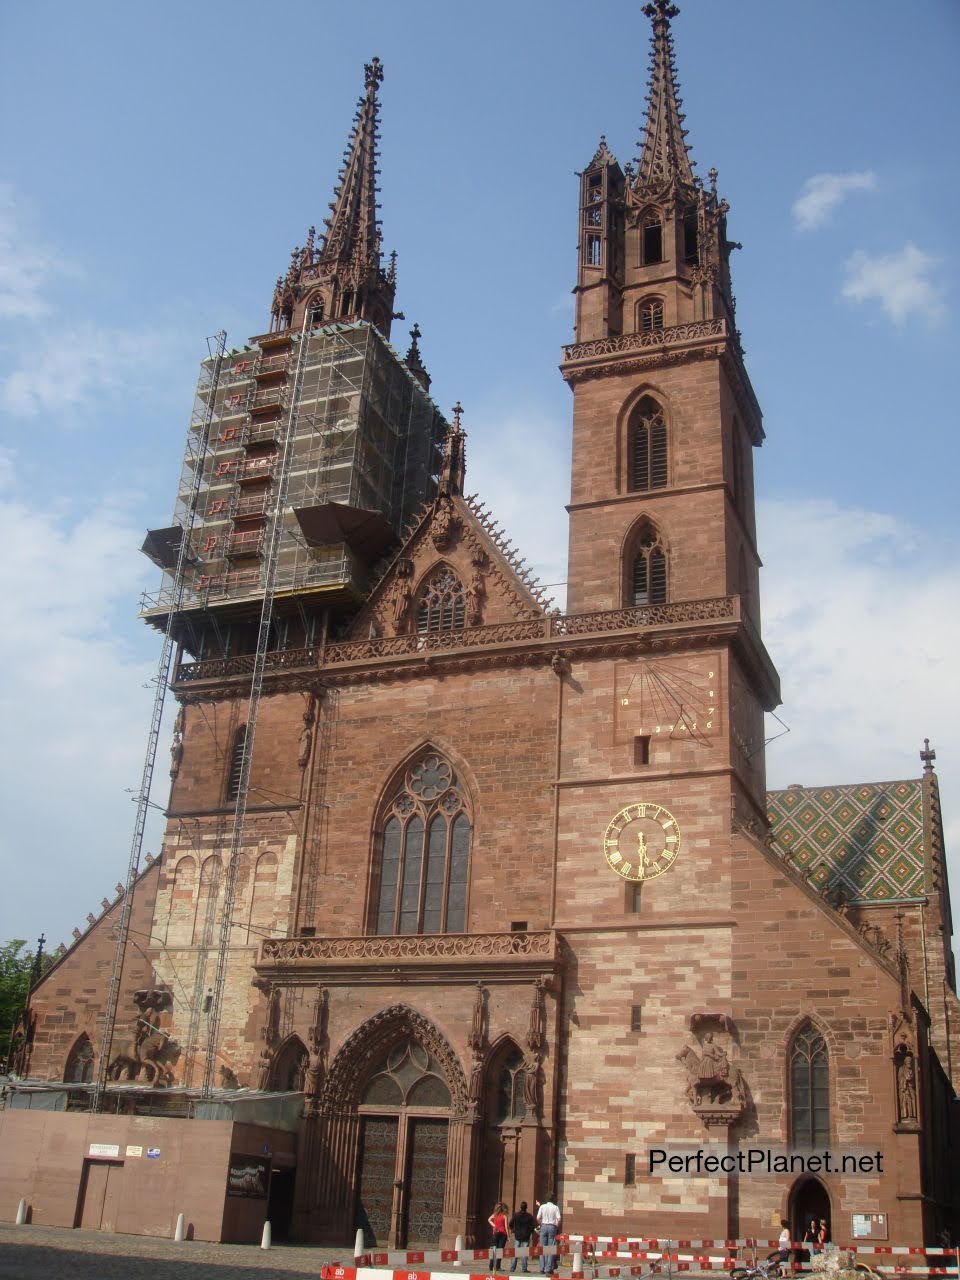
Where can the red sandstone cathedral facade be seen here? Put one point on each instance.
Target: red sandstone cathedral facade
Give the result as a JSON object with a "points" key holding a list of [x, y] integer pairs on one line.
{"points": [[399, 1036]]}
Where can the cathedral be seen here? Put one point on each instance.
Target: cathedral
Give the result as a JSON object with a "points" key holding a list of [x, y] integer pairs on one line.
{"points": [[462, 898]]}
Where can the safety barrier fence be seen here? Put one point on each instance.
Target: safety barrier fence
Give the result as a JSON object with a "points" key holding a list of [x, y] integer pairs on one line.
{"points": [[592, 1263]]}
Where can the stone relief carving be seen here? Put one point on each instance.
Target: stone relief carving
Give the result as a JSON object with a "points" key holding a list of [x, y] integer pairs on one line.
{"points": [[269, 1032], [176, 746], [306, 732], [715, 1089], [445, 525], [408, 947], [317, 1056]]}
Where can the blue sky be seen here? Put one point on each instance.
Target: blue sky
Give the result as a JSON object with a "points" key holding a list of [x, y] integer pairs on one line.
{"points": [[157, 165]]}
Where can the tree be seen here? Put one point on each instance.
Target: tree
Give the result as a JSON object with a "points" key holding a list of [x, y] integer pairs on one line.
{"points": [[16, 969]]}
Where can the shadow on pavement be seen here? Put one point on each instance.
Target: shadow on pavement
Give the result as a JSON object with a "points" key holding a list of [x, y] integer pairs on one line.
{"points": [[41, 1262]]}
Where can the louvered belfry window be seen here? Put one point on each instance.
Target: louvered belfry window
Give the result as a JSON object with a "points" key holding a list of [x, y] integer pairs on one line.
{"points": [[650, 315], [648, 446], [425, 853], [236, 763], [809, 1089], [649, 571], [442, 603]]}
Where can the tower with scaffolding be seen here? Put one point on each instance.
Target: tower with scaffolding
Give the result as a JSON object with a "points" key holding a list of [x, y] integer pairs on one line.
{"points": [[308, 452]]}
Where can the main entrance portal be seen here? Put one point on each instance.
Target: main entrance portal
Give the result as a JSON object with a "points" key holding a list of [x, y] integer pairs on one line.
{"points": [[402, 1158]]}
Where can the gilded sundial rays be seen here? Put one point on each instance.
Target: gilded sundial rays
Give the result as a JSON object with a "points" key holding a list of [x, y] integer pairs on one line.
{"points": [[667, 697], [641, 841]]}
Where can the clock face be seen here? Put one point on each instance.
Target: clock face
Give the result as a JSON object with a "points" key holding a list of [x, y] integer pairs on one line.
{"points": [[641, 841]]}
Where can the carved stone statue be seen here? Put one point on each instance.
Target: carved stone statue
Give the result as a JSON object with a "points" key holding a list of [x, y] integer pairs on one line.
{"points": [[176, 746], [306, 736], [906, 1087], [531, 1087], [473, 598], [716, 1091]]}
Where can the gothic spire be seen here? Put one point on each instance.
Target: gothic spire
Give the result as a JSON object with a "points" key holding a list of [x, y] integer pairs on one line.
{"points": [[342, 278], [352, 230], [663, 159]]}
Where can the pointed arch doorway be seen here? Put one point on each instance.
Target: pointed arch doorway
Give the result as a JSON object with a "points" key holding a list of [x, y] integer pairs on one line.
{"points": [[389, 1147], [809, 1199], [402, 1155]]}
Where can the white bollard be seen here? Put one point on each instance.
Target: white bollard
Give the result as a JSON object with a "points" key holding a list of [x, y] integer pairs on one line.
{"points": [[458, 1245], [180, 1231], [359, 1247], [265, 1240], [21, 1213], [578, 1264]]}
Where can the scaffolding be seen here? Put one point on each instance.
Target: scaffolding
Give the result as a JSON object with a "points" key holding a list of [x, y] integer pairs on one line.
{"points": [[366, 436], [198, 435]]}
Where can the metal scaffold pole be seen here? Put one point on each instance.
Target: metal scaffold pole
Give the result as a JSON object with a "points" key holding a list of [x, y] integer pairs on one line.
{"points": [[271, 557], [202, 419]]}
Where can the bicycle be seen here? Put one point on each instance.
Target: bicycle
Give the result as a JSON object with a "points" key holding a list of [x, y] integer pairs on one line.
{"points": [[759, 1270]]}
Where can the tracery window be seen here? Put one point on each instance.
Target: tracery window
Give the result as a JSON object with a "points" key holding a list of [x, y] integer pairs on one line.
{"points": [[442, 603], [425, 853], [648, 575], [649, 315], [408, 1076], [510, 1102], [809, 1080], [79, 1068], [647, 445]]}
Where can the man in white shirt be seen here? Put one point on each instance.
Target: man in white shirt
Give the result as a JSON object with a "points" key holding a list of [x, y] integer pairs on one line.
{"points": [[548, 1222], [784, 1245]]}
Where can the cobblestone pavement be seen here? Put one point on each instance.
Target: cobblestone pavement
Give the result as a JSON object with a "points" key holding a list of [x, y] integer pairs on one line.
{"points": [[54, 1253]]}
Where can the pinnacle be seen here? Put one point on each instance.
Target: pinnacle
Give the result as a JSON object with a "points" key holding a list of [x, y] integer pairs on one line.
{"points": [[663, 155]]}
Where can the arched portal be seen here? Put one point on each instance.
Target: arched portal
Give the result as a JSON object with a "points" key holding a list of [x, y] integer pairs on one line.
{"points": [[809, 1200], [509, 1131], [389, 1148]]}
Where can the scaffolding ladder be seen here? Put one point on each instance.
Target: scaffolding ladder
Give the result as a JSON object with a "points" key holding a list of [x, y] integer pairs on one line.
{"points": [[269, 580], [200, 424]]}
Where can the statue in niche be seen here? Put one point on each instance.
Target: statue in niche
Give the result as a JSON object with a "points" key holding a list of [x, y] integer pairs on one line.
{"points": [[906, 1084], [306, 735], [176, 746]]}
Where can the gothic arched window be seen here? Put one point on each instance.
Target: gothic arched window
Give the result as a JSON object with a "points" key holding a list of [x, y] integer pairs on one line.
{"points": [[809, 1081], [424, 853], [442, 603], [647, 583], [510, 1102], [79, 1068], [649, 315], [647, 446], [236, 763]]}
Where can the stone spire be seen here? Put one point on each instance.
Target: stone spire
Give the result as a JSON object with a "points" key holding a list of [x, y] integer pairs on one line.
{"points": [[342, 278], [352, 238], [454, 465], [414, 360], [663, 161]]}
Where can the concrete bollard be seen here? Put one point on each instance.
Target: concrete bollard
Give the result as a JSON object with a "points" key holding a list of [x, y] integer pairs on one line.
{"points": [[359, 1245], [180, 1230], [458, 1245], [578, 1263], [21, 1213], [265, 1240]]}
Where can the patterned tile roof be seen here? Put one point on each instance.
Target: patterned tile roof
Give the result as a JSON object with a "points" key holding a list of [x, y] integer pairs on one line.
{"points": [[865, 841]]}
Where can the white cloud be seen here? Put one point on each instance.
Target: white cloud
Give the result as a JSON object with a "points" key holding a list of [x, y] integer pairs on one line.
{"points": [[823, 192], [78, 366], [508, 451], [898, 281], [73, 706], [860, 615], [25, 267]]}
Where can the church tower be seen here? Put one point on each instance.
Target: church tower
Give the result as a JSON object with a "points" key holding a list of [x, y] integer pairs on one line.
{"points": [[662, 756]]}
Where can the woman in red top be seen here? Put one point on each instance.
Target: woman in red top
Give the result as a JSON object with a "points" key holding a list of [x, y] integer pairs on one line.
{"points": [[498, 1225]]}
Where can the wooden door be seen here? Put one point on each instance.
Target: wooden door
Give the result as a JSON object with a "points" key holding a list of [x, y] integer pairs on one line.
{"points": [[425, 1181], [376, 1177], [100, 1195]]}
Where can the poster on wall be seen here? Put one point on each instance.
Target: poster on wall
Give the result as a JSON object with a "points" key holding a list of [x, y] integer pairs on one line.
{"points": [[869, 1226], [248, 1177]]}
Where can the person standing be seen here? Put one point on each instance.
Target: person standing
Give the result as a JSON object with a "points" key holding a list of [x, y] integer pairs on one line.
{"points": [[548, 1222], [784, 1245], [522, 1225], [823, 1235], [498, 1229]]}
